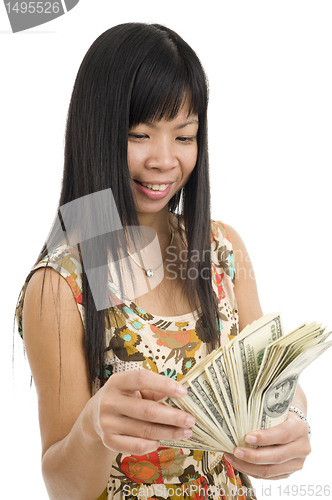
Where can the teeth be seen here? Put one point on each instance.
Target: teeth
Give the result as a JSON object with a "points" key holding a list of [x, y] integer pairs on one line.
{"points": [[155, 187]]}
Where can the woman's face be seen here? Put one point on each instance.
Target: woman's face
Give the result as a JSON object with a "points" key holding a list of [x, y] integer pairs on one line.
{"points": [[161, 157]]}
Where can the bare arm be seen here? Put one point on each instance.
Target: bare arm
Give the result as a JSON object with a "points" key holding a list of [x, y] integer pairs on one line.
{"points": [[81, 433], [286, 446]]}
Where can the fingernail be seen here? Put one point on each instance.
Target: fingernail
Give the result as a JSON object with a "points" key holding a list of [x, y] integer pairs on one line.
{"points": [[190, 421], [181, 390], [187, 433], [238, 453], [251, 439]]}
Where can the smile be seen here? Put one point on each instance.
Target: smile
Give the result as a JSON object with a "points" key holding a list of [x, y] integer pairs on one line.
{"points": [[155, 187], [153, 191]]}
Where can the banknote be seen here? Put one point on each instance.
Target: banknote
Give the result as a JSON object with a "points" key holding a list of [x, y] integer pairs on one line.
{"points": [[202, 388], [249, 349], [247, 384], [277, 398]]}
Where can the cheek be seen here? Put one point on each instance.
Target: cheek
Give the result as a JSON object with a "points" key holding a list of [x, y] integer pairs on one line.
{"points": [[132, 157], [190, 161]]}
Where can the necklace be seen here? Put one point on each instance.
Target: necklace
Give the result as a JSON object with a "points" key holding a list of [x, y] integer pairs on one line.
{"points": [[150, 272]]}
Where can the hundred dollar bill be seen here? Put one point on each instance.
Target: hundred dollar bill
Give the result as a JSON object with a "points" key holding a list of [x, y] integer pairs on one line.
{"points": [[192, 445], [249, 349], [205, 428], [195, 406], [219, 389], [313, 336], [219, 368], [280, 353], [277, 398], [203, 390], [200, 436], [277, 357], [212, 376]]}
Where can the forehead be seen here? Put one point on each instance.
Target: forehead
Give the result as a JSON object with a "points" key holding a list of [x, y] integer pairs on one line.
{"points": [[183, 117], [154, 108]]}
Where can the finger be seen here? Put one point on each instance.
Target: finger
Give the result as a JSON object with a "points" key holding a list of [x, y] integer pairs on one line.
{"points": [[146, 430], [147, 411], [143, 380], [290, 430], [265, 471], [129, 445], [277, 454], [153, 395], [277, 478]]}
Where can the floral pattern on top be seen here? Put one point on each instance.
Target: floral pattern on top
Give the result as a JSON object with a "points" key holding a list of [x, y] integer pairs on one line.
{"points": [[136, 339]]}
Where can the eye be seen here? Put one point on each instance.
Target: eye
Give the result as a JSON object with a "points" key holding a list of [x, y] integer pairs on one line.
{"points": [[186, 139], [138, 136]]}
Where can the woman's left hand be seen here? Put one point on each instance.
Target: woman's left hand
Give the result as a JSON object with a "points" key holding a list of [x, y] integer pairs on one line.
{"points": [[285, 448]]}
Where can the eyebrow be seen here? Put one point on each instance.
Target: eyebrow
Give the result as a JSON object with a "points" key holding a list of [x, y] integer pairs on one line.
{"points": [[189, 122], [182, 125]]}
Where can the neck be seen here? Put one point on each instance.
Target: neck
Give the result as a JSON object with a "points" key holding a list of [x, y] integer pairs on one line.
{"points": [[159, 222]]}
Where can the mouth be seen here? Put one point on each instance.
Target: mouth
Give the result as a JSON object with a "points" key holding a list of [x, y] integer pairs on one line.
{"points": [[154, 187], [153, 191]]}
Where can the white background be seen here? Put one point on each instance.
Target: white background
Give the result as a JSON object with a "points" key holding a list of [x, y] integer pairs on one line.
{"points": [[269, 68]]}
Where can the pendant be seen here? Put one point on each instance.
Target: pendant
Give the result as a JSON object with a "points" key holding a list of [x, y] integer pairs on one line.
{"points": [[149, 273]]}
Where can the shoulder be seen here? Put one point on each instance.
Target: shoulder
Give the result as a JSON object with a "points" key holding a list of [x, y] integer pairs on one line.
{"points": [[226, 233], [57, 278], [219, 230], [67, 262], [65, 259], [44, 284], [221, 241], [47, 297], [240, 253], [236, 240]]}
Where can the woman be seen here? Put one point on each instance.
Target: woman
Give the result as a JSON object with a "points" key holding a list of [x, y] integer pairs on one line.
{"points": [[136, 141]]}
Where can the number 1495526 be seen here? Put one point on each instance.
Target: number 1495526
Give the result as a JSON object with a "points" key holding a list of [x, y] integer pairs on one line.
{"points": [[302, 490], [33, 7]]}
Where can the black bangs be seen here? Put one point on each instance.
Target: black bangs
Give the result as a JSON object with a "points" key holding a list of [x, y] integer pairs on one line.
{"points": [[167, 79]]}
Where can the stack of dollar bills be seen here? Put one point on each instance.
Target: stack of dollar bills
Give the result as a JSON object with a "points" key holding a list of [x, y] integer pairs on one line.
{"points": [[247, 384]]}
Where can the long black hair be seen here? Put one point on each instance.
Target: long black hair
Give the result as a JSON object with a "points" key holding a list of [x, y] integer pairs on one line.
{"points": [[135, 73]]}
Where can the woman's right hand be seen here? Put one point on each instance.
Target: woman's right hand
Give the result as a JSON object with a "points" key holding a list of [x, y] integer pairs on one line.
{"points": [[127, 417]]}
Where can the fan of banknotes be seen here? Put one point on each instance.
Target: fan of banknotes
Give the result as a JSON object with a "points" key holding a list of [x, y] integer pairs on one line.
{"points": [[247, 384]]}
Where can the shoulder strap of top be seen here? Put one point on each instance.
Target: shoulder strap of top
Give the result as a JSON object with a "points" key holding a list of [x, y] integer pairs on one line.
{"points": [[222, 249], [219, 230], [67, 262]]}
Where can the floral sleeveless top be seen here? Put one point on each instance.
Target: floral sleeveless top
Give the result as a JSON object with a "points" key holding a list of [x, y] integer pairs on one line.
{"points": [[136, 339]]}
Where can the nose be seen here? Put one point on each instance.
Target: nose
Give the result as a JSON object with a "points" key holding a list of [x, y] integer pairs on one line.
{"points": [[162, 155]]}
